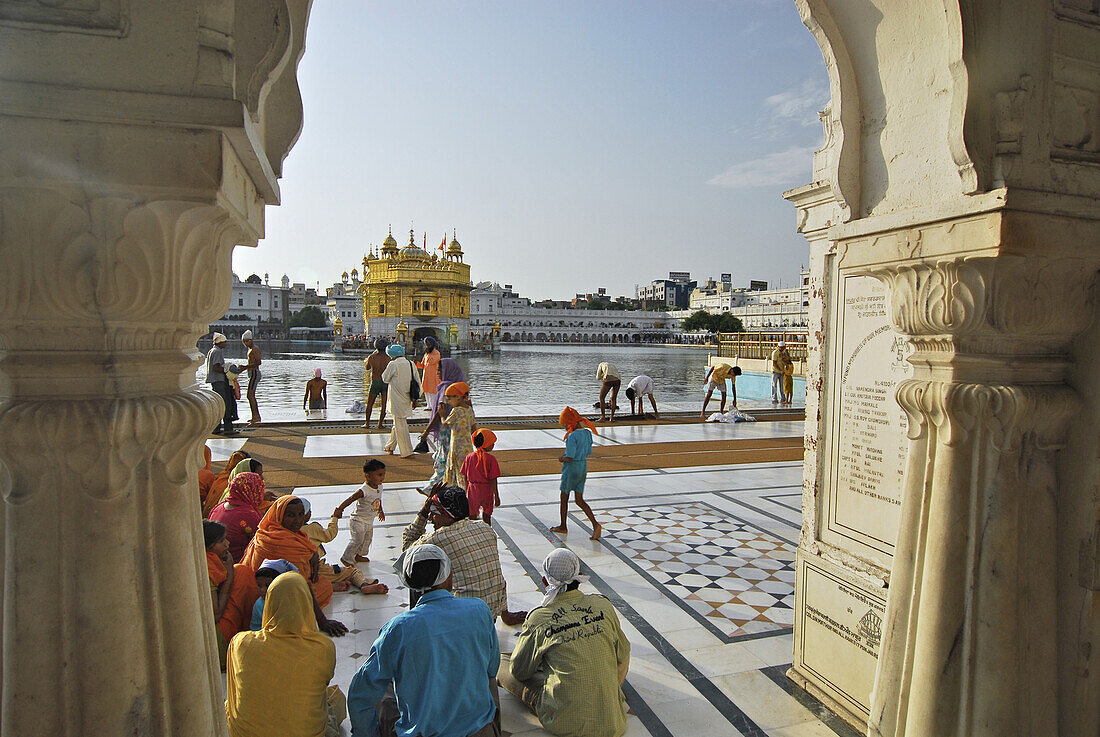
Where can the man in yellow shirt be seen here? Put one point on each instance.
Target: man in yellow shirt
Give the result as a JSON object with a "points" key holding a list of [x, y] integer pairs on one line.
{"points": [[716, 379], [780, 359], [571, 658]]}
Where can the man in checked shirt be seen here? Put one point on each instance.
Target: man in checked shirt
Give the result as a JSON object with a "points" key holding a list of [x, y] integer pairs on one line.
{"points": [[471, 546]]}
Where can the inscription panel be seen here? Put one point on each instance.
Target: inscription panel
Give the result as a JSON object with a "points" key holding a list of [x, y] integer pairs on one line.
{"points": [[867, 439], [838, 632]]}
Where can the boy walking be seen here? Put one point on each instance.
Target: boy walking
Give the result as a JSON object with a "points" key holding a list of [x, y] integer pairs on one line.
{"points": [[481, 470], [368, 507], [574, 467]]}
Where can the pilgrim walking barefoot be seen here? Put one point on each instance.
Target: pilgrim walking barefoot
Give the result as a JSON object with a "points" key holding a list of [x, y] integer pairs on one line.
{"points": [[574, 468]]}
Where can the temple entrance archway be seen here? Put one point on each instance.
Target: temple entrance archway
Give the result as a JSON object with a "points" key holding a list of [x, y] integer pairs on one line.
{"points": [[956, 191]]}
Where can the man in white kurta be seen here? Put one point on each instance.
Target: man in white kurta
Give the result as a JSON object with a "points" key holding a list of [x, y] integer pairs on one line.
{"points": [[399, 375]]}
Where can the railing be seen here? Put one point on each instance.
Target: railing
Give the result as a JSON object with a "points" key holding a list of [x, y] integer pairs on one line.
{"points": [[761, 344]]}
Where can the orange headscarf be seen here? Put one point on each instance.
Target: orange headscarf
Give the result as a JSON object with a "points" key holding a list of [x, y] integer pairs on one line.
{"points": [[206, 476], [215, 568], [570, 418], [217, 489], [457, 389], [489, 439], [274, 542]]}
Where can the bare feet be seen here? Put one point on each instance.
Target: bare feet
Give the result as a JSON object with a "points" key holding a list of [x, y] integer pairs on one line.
{"points": [[596, 531], [391, 452], [560, 529], [362, 559], [374, 588], [340, 586], [512, 618], [345, 564], [380, 425]]}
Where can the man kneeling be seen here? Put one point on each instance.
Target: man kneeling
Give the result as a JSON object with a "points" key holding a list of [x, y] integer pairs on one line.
{"points": [[571, 658], [432, 669]]}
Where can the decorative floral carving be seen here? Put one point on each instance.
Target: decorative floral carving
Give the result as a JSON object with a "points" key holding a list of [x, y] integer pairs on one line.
{"points": [[1005, 297]]}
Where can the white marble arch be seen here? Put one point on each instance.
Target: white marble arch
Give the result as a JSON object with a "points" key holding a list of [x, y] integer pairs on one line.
{"points": [[139, 142]]}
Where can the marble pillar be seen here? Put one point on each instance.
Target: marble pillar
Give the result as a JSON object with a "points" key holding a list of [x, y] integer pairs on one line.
{"points": [[970, 638], [947, 567], [139, 143]]}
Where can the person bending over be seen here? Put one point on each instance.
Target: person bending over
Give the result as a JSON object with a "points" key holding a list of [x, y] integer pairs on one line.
{"points": [[432, 670], [571, 658], [716, 379], [638, 388], [610, 381]]}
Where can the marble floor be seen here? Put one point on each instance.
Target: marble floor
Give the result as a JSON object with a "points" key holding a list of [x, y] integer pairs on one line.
{"points": [[272, 414], [698, 561]]}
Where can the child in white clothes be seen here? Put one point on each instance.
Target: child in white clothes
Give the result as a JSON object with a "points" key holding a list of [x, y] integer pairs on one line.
{"points": [[368, 506]]}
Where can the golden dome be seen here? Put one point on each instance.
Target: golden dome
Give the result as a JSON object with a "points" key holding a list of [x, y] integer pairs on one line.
{"points": [[412, 250]]}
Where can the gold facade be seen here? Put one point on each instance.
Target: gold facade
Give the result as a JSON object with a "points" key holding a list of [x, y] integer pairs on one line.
{"points": [[413, 286]]}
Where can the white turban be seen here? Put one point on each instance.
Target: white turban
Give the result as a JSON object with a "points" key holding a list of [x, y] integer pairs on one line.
{"points": [[219, 338], [246, 335], [414, 555], [561, 568]]}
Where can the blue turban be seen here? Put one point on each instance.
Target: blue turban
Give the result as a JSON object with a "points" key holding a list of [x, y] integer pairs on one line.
{"points": [[395, 350]]}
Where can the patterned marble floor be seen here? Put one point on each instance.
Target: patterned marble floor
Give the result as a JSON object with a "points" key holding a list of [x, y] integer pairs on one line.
{"points": [[698, 562]]}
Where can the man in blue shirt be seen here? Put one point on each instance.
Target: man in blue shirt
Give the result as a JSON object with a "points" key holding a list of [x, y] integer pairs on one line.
{"points": [[433, 667]]}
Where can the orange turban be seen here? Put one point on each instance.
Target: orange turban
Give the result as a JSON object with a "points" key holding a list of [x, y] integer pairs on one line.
{"points": [[488, 440], [457, 389], [570, 418]]}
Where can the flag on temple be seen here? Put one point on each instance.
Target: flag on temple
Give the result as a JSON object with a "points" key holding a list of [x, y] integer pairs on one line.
{"points": [[443, 244]]}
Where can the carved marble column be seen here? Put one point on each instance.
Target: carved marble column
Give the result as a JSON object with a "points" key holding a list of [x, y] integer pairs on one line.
{"points": [[139, 142], [102, 424], [970, 637]]}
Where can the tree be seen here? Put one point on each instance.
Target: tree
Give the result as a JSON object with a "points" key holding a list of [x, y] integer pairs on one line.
{"points": [[308, 317], [699, 320], [725, 323]]}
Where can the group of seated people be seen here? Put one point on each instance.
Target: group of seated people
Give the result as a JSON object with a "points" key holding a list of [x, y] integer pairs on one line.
{"points": [[433, 669]]}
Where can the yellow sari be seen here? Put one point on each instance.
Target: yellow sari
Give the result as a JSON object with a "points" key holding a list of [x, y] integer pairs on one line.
{"points": [[277, 678]]}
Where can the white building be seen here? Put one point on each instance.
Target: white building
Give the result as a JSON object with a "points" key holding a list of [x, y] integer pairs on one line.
{"points": [[757, 309], [345, 304], [520, 322], [256, 301]]}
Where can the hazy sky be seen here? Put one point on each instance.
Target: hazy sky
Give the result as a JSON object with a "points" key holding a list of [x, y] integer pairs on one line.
{"points": [[572, 145]]}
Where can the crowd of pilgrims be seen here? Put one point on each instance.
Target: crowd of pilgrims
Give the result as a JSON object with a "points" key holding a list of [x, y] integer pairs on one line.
{"points": [[434, 670]]}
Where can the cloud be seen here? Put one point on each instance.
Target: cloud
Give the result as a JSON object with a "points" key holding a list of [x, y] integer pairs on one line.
{"points": [[793, 166], [798, 104]]}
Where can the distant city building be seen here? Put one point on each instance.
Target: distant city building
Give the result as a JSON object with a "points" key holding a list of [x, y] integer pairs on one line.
{"points": [[673, 292], [413, 294], [758, 308], [344, 306], [555, 321], [257, 306]]}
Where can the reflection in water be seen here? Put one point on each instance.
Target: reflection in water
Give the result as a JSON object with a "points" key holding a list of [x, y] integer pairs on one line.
{"points": [[517, 375]]}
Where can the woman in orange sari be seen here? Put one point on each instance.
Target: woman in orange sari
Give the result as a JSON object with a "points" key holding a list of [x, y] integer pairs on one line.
{"points": [[280, 537], [232, 586], [217, 489], [206, 476]]}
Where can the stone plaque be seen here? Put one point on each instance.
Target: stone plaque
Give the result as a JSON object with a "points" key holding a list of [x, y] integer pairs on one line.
{"points": [[838, 632], [867, 443]]}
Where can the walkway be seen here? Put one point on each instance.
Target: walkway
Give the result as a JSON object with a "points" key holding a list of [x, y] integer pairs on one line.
{"points": [[697, 556]]}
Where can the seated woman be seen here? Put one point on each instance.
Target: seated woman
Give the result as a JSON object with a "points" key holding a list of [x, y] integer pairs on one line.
{"points": [[233, 586], [217, 488], [280, 537], [341, 577], [206, 476], [277, 678], [240, 512]]}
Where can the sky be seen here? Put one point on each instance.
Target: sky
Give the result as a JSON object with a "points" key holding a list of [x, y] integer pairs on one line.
{"points": [[571, 145]]}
